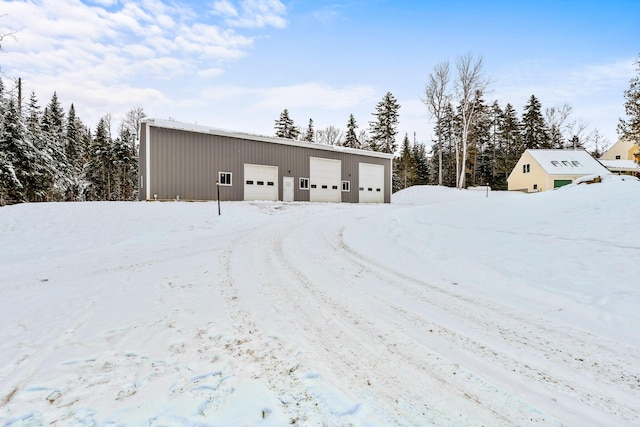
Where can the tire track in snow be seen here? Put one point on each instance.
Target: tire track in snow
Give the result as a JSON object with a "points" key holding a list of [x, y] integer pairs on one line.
{"points": [[392, 356], [263, 356], [557, 344]]}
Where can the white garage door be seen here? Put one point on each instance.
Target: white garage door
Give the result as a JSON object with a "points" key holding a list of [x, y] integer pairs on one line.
{"points": [[325, 180], [260, 182], [371, 178]]}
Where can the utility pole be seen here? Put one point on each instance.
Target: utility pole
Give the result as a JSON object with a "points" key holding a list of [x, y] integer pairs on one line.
{"points": [[19, 95]]}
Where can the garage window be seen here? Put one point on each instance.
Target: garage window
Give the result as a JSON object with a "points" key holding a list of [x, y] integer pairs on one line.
{"points": [[304, 183], [224, 178], [346, 186]]}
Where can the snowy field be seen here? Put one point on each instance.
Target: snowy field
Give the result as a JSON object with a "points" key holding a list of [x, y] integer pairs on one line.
{"points": [[445, 308]]}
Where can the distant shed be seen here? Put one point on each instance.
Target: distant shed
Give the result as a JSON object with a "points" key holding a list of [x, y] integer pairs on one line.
{"points": [[184, 161]]}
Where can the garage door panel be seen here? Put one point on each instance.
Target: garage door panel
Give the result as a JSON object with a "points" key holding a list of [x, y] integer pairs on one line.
{"points": [[371, 188], [325, 180], [260, 182]]}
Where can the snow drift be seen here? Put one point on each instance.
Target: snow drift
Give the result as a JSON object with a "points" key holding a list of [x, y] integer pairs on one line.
{"points": [[445, 307]]}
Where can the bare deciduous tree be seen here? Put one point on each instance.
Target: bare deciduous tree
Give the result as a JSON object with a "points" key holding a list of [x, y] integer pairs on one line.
{"points": [[330, 135], [556, 120], [469, 87], [436, 98]]}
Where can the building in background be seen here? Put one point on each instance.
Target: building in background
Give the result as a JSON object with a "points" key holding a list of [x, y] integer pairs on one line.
{"points": [[622, 158], [541, 170]]}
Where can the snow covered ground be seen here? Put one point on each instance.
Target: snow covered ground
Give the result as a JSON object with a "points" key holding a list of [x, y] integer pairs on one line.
{"points": [[444, 308]]}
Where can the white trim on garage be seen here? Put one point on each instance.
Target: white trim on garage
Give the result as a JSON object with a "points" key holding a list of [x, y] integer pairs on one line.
{"points": [[260, 182], [371, 183], [325, 179]]}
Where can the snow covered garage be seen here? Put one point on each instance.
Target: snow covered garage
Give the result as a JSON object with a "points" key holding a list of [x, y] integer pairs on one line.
{"points": [[184, 161]]}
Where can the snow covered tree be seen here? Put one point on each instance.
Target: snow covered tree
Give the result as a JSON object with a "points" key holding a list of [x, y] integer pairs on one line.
{"points": [[630, 127], [534, 131], [124, 166], [285, 128], [20, 163], [53, 145], [98, 165], [73, 140], [383, 130], [310, 135], [351, 139]]}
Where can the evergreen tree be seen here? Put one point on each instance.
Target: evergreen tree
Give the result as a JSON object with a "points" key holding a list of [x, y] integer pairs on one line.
{"points": [[384, 128], [404, 173], [479, 145], [534, 131], [420, 162], [21, 163], [98, 166], [75, 150], [53, 141], [351, 139], [73, 139], [123, 161], [630, 128], [285, 128], [511, 146], [310, 135]]}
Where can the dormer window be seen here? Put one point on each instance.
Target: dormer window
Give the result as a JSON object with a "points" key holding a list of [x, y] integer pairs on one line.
{"points": [[555, 163], [566, 163], [576, 163]]}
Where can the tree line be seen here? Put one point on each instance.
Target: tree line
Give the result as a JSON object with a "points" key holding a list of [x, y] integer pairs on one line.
{"points": [[475, 142], [47, 155]]}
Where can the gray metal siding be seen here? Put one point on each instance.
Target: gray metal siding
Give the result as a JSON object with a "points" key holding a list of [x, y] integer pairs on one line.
{"points": [[142, 164], [186, 164]]}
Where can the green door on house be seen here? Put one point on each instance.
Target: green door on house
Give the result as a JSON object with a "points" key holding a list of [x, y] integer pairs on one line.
{"points": [[557, 183]]}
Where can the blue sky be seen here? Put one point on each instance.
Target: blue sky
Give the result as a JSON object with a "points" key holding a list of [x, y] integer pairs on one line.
{"points": [[236, 64]]}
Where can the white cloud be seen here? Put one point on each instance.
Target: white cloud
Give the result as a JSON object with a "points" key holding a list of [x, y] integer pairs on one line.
{"points": [[252, 13], [106, 53], [224, 8]]}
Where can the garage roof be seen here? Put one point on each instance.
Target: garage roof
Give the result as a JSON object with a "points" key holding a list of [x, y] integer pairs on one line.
{"points": [[170, 124], [567, 162]]}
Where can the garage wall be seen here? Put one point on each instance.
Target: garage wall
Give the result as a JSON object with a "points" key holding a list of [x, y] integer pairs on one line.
{"points": [[186, 164]]}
